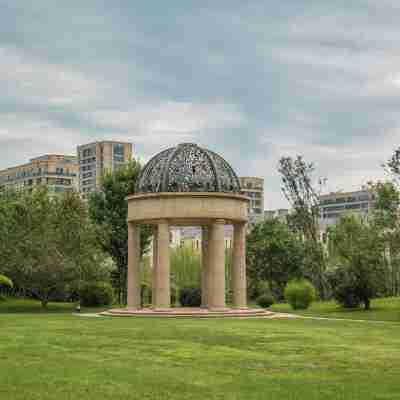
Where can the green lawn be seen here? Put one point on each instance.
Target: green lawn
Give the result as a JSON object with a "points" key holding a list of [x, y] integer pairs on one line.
{"points": [[381, 310], [31, 306], [62, 356]]}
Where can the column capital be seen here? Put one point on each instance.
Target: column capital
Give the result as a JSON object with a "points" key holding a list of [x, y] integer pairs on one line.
{"points": [[220, 221]]}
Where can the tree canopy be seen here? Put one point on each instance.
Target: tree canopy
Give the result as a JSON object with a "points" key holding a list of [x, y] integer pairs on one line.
{"points": [[274, 254], [109, 211]]}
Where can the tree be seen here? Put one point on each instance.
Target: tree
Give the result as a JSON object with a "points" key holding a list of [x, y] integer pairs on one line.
{"points": [[275, 254], [108, 210], [356, 249], [298, 189], [386, 222], [392, 166], [48, 244]]}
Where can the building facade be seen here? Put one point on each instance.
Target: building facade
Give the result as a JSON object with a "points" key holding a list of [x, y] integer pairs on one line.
{"points": [[332, 206], [280, 214], [97, 158], [253, 188], [59, 173]]}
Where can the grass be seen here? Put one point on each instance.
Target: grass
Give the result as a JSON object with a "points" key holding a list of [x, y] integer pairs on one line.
{"points": [[62, 356], [387, 309], [29, 306]]}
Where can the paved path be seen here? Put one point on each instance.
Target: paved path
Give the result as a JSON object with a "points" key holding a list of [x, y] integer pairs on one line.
{"points": [[279, 315]]}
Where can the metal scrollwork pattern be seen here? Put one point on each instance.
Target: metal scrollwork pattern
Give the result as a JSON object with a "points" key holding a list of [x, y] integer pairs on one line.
{"points": [[229, 182], [187, 168]]}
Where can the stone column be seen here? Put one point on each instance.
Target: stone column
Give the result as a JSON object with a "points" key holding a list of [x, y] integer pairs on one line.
{"points": [[204, 267], [155, 269], [216, 294], [163, 296], [239, 284], [133, 278]]}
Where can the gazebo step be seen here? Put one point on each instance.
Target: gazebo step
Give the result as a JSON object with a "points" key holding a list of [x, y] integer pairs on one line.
{"points": [[193, 313]]}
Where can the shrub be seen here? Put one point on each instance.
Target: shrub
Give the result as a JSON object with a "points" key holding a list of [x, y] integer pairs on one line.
{"points": [[256, 288], [190, 296], [145, 294], [346, 295], [300, 294], [96, 294], [174, 294], [5, 283], [344, 288], [265, 300]]}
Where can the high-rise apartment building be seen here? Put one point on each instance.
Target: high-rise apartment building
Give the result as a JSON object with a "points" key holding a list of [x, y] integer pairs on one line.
{"points": [[97, 158], [280, 214], [334, 205], [253, 188], [58, 172]]}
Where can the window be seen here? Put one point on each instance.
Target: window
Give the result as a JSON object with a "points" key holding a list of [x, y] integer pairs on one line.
{"points": [[119, 152]]}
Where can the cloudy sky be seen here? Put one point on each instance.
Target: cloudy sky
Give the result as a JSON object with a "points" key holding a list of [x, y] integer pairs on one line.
{"points": [[253, 80]]}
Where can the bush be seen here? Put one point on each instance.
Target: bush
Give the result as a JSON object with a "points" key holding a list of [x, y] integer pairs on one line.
{"points": [[174, 295], [5, 283], [96, 294], [145, 294], [265, 300], [257, 288], [190, 296], [300, 294], [346, 295], [344, 288]]}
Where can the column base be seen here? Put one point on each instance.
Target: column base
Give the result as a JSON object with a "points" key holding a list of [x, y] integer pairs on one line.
{"points": [[133, 308], [218, 309]]}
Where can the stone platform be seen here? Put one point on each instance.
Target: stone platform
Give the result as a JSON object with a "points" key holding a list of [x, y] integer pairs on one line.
{"points": [[188, 313]]}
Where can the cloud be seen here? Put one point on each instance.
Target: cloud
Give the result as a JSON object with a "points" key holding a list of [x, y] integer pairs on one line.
{"points": [[251, 80]]}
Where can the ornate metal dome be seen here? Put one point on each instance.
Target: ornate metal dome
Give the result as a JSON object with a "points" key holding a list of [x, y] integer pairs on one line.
{"points": [[187, 168]]}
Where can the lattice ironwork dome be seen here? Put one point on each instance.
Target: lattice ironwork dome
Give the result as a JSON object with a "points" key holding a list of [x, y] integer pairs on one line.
{"points": [[187, 168]]}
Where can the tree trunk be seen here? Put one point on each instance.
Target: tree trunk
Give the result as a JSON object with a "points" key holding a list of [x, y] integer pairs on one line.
{"points": [[367, 304], [44, 302]]}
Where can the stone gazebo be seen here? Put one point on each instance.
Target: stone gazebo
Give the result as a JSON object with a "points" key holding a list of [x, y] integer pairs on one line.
{"points": [[192, 186]]}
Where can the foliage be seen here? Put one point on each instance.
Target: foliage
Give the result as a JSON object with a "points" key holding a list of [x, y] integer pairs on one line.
{"points": [[190, 296], [108, 210], [96, 294], [265, 300], [344, 289], [356, 247], [185, 267], [257, 288], [5, 283], [386, 222], [274, 254], [392, 166], [145, 294], [298, 189], [50, 243], [300, 294]]}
